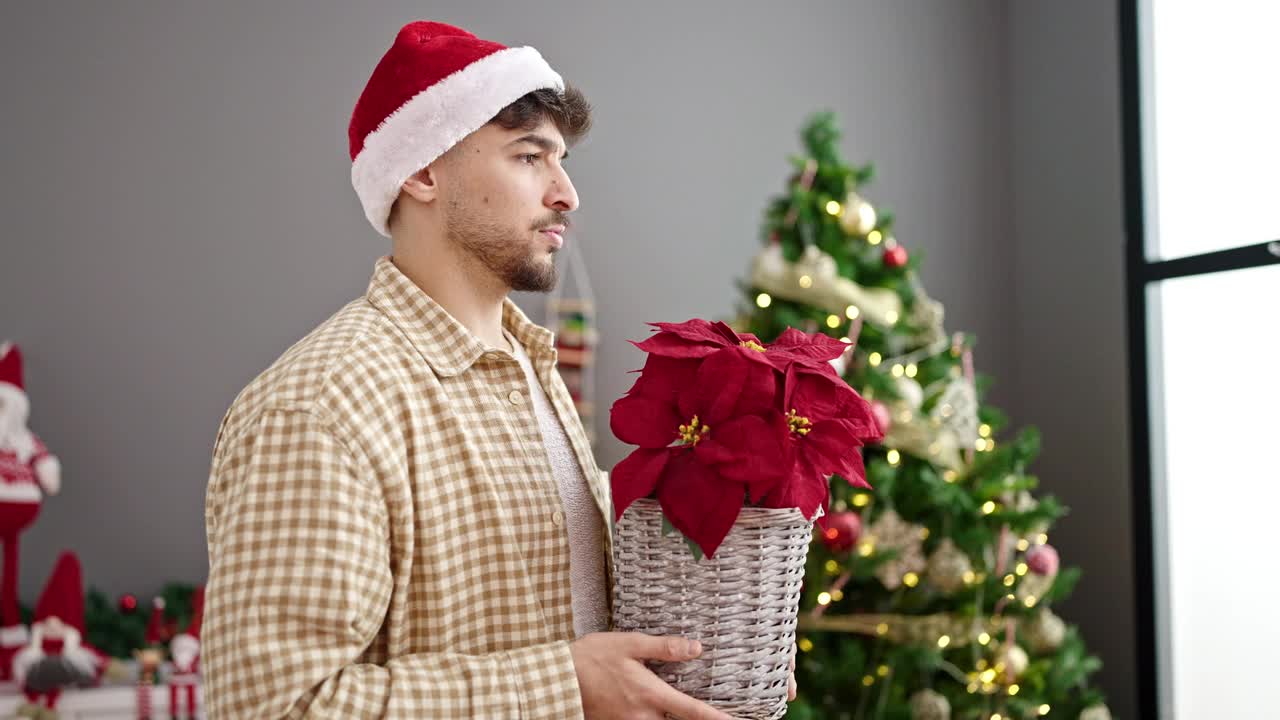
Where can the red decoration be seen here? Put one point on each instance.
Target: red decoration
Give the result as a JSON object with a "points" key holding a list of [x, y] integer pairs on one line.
{"points": [[895, 257], [1043, 560], [720, 418], [843, 531], [128, 604]]}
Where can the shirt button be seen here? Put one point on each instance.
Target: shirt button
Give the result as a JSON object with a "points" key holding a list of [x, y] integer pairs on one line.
{"points": [[557, 517], [516, 398]]}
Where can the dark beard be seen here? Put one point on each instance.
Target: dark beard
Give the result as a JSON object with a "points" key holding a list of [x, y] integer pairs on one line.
{"points": [[506, 257]]}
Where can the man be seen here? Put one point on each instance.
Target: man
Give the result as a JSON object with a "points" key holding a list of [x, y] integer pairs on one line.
{"points": [[404, 516]]}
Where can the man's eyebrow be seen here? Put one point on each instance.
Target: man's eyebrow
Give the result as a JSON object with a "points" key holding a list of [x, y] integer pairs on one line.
{"points": [[543, 142]]}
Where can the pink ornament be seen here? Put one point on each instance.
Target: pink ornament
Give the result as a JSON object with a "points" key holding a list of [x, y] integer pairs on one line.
{"points": [[843, 531], [1043, 560], [883, 417]]}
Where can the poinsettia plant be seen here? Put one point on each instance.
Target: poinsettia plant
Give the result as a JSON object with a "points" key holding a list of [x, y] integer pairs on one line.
{"points": [[723, 421]]}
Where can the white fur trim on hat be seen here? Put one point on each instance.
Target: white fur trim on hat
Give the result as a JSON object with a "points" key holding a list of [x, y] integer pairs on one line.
{"points": [[435, 120]]}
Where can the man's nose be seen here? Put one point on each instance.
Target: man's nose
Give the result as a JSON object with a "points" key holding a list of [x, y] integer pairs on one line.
{"points": [[561, 195]]}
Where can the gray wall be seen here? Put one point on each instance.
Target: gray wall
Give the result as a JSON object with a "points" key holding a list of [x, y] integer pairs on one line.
{"points": [[1069, 325], [178, 210]]}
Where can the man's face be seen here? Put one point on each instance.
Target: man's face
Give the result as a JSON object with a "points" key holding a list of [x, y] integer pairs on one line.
{"points": [[506, 196]]}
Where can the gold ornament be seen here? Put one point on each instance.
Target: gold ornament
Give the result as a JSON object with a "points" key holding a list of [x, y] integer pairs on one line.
{"points": [[948, 567], [930, 705], [1044, 632], [957, 411], [859, 217], [815, 280], [891, 532], [1014, 660], [1095, 712]]}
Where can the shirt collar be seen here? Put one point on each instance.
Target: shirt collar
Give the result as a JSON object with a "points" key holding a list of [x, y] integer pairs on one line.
{"points": [[446, 344]]}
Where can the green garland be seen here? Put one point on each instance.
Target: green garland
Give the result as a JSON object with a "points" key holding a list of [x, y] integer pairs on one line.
{"points": [[118, 633]]}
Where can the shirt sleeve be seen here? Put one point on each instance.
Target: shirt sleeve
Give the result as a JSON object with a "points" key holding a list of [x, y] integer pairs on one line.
{"points": [[300, 581]]}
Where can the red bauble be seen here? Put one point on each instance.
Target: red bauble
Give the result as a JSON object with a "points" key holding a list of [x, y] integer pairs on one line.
{"points": [[883, 417], [128, 604], [895, 257], [1043, 560], [843, 531]]}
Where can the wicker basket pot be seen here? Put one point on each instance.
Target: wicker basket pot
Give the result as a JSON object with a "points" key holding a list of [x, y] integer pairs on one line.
{"points": [[741, 604]]}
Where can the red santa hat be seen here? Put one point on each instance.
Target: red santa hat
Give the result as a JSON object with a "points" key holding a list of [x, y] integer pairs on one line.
{"points": [[10, 365], [155, 624], [436, 85], [63, 596]]}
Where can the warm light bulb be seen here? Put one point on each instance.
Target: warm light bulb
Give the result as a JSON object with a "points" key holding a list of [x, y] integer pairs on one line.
{"points": [[899, 371], [924, 533], [833, 207], [1023, 545], [980, 444], [910, 579], [984, 430], [763, 300], [950, 476], [874, 237], [984, 638], [891, 317], [1021, 569], [805, 644], [996, 716], [837, 595], [1042, 538], [824, 598], [868, 680], [912, 370], [1009, 580], [1044, 709], [874, 358], [1030, 601], [806, 281], [866, 548], [851, 312], [969, 577], [988, 507], [883, 671], [973, 688], [833, 321], [944, 641], [833, 567], [882, 629], [861, 499], [1013, 689], [894, 457], [988, 675]]}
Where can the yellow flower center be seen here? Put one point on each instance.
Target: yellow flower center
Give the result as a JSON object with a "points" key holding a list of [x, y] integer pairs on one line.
{"points": [[799, 424], [690, 434], [751, 345]]}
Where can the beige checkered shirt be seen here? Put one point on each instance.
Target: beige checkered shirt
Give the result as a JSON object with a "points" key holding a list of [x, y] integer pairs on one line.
{"points": [[386, 537]]}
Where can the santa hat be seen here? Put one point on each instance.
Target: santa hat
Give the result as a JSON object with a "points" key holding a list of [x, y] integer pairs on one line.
{"points": [[10, 365], [155, 625], [63, 596], [436, 85]]}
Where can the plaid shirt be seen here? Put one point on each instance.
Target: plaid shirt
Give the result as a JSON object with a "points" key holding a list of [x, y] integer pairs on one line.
{"points": [[386, 537]]}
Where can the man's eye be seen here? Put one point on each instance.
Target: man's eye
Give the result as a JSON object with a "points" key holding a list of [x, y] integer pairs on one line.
{"points": [[529, 158]]}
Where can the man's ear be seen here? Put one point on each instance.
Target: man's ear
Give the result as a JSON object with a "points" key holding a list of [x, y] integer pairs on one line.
{"points": [[422, 185]]}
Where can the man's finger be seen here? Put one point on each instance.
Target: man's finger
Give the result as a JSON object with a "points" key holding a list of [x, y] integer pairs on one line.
{"points": [[669, 648], [684, 707]]}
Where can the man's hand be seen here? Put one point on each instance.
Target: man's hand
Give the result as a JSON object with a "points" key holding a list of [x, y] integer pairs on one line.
{"points": [[616, 684]]}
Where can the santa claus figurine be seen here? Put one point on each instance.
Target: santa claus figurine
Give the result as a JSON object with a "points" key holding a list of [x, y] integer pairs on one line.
{"points": [[25, 467], [185, 650], [57, 657]]}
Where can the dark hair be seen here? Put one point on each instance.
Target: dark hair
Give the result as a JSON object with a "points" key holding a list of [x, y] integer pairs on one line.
{"points": [[569, 110]]}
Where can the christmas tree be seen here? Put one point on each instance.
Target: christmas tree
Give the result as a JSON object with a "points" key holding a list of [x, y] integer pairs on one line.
{"points": [[928, 596]]}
